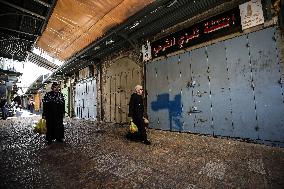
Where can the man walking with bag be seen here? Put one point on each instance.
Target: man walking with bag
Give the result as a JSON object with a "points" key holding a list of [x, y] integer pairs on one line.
{"points": [[136, 112]]}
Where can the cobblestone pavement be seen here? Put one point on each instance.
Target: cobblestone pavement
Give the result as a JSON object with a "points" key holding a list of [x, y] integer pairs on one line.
{"points": [[97, 155]]}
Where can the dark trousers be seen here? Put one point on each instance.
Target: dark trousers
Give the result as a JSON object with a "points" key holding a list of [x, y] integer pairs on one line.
{"points": [[4, 112], [139, 122], [55, 128]]}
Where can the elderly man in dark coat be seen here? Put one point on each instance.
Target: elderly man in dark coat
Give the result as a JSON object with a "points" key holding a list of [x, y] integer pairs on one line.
{"points": [[53, 112], [136, 112]]}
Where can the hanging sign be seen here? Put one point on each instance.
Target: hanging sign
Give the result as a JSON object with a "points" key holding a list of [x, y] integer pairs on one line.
{"points": [[251, 14], [217, 26], [146, 51]]}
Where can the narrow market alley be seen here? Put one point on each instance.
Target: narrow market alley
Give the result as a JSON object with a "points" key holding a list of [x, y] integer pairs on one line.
{"points": [[151, 94], [97, 155]]}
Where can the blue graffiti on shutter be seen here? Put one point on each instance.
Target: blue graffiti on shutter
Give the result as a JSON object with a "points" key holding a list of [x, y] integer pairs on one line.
{"points": [[174, 108]]}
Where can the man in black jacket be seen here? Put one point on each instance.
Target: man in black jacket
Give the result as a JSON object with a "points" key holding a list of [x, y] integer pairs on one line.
{"points": [[136, 112], [53, 112]]}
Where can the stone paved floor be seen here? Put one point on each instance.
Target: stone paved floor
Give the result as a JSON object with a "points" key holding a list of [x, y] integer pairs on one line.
{"points": [[97, 155]]}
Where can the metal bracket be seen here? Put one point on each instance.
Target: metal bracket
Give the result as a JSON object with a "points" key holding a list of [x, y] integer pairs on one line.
{"points": [[194, 110]]}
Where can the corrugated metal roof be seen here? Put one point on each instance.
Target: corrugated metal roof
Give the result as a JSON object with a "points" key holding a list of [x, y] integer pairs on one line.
{"points": [[21, 22], [42, 62]]}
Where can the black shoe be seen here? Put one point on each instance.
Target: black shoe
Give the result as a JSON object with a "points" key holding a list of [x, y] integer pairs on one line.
{"points": [[133, 137], [147, 142]]}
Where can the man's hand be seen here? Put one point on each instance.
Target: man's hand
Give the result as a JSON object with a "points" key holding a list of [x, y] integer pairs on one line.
{"points": [[146, 121]]}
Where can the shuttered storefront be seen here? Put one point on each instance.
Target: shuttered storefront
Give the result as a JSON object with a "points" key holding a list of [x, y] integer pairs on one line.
{"points": [[230, 88]]}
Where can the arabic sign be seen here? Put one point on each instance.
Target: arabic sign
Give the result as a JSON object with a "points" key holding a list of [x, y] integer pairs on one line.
{"points": [[251, 14], [223, 24], [146, 51]]}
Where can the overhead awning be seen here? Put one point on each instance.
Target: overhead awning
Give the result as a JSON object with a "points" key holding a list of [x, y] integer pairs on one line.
{"points": [[75, 24], [42, 62]]}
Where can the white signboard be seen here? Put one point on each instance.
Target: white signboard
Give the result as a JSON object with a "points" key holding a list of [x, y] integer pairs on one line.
{"points": [[251, 14], [146, 51]]}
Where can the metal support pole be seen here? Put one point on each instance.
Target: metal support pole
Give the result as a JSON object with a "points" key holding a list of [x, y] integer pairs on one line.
{"points": [[22, 9], [18, 31]]}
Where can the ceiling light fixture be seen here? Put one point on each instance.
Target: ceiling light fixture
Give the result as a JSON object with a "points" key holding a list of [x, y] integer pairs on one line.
{"points": [[109, 42], [97, 48], [135, 24]]}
